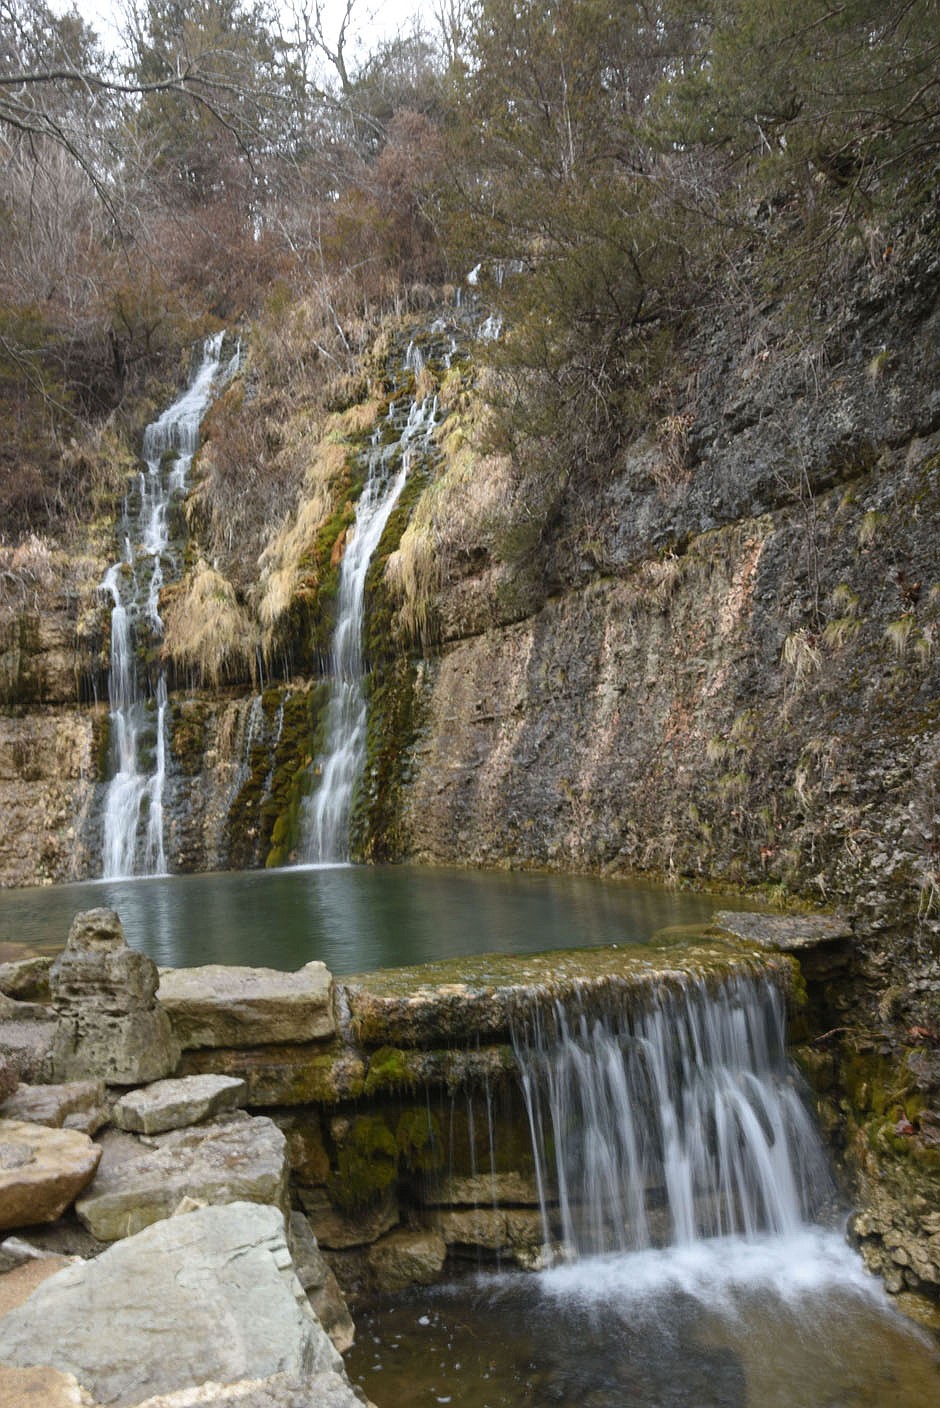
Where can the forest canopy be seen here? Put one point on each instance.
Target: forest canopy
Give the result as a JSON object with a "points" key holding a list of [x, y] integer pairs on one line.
{"points": [[234, 158]]}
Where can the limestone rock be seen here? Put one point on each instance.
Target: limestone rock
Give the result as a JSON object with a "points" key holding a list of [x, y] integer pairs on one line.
{"points": [[483, 1190], [326, 1390], [516, 1230], [9, 1078], [221, 1006], [407, 1258], [41, 1388], [110, 1024], [41, 1171], [79, 1104], [295, 1074], [336, 1229], [27, 979], [208, 1296], [790, 932], [19, 1283], [175, 1104], [316, 1276], [236, 1158], [27, 1046], [309, 1161]]}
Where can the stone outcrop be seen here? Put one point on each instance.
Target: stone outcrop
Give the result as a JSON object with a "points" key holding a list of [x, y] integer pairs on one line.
{"points": [[211, 1295], [174, 1104], [79, 1104], [407, 1258], [216, 1006], [110, 1026], [316, 1276], [41, 1171], [234, 1158], [47, 781]]}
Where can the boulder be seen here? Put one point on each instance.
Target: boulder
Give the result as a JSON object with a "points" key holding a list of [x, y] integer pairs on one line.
{"points": [[407, 1258], [338, 1230], [211, 1296], [175, 1104], [235, 1158], [221, 1006], [27, 979], [19, 1283], [41, 1388], [110, 1026], [482, 1190], [41, 1171], [502, 1230], [316, 1276], [79, 1104], [326, 1390]]}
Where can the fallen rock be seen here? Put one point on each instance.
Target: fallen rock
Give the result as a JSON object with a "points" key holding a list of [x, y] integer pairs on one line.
{"points": [[78, 1104], [110, 1026], [41, 1171], [175, 1104], [221, 1006], [27, 979], [209, 1296], [407, 1258], [17, 1285], [317, 1278], [236, 1158]]}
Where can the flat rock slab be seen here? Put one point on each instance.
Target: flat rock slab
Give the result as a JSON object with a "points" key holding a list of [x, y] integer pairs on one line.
{"points": [[211, 1295], [77, 1104], [326, 1390], [788, 932], [482, 997], [176, 1104], [220, 1006], [41, 1171], [236, 1158]]}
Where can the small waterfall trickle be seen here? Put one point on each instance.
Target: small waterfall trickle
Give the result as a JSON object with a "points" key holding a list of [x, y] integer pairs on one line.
{"points": [[133, 808], [668, 1125], [327, 811]]}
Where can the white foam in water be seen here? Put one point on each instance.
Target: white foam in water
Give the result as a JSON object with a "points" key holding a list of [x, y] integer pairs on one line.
{"points": [[719, 1271]]}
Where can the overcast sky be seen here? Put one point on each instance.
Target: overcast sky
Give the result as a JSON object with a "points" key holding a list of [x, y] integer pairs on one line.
{"points": [[372, 19]]}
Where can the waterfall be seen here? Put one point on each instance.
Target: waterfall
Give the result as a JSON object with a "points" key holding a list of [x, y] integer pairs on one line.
{"points": [[327, 812], [668, 1125], [133, 809]]}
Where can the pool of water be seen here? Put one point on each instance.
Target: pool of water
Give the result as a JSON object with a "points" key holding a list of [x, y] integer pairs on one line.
{"points": [[773, 1323], [355, 918]]}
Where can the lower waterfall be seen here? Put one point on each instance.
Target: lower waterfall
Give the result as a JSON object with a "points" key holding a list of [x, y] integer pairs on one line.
{"points": [[692, 1256], [664, 1126]]}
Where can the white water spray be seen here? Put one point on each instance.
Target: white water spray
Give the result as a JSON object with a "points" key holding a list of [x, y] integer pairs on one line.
{"points": [[327, 812], [133, 811]]}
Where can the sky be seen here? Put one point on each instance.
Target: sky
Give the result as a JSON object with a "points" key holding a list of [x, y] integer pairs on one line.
{"points": [[373, 19]]}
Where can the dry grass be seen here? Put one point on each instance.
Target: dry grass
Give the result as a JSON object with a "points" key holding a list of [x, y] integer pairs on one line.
{"points": [[206, 629]]}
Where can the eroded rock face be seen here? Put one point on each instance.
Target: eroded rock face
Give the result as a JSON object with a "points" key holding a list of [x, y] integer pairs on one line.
{"points": [[407, 1258], [217, 1006], [211, 1295], [41, 1171], [175, 1104], [235, 1158], [110, 1026]]}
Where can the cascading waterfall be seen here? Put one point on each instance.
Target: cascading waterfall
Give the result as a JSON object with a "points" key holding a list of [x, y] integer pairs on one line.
{"points": [[667, 1125], [328, 811], [133, 809]]}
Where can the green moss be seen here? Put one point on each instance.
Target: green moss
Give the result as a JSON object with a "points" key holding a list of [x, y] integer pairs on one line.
{"points": [[419, 1140], [292, 777], [389, 1069], [366, 1165]]}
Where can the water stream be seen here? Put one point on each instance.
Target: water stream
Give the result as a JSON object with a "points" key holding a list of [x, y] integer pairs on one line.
{"points": [[327, 812], [133, 807], [690, 1259]]}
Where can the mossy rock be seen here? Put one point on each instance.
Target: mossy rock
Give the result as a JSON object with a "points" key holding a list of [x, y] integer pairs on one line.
{"points": [[366, 1164]]}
